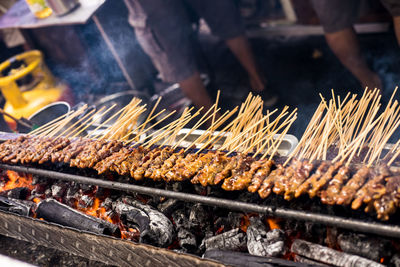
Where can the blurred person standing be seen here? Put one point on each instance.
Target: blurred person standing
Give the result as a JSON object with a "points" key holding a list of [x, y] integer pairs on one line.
{"points": [[337, 18], [164, 29]]}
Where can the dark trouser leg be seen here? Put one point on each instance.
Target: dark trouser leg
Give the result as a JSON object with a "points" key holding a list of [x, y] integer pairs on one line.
{"points": [[346, 47]]}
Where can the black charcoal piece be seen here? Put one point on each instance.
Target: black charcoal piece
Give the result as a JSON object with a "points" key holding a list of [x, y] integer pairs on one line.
{"points": [[231, 240], [187, 239], [17, 193], [369, 247], [58, 190], [20, 207], [395, 261], [305, 260], [154, 227], [263, 243], [329, 256], [85, 201], [198, 215], [54, 211], [232, 258], [169, 206], [47, 193], [180, 218]]}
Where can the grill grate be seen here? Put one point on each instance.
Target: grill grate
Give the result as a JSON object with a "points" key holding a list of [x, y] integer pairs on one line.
{"points": [[329, 220]]}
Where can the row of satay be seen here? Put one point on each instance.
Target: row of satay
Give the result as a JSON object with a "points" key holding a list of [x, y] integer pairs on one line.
{"points": [[335, 184]]}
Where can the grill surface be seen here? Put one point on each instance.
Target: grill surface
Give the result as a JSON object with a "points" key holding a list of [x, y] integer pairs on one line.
{"points": [[329, 220], [95, 247]]}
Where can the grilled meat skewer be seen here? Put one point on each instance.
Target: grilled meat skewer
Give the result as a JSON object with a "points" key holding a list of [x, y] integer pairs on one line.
{"points": [[329, 196], [305, 186]]}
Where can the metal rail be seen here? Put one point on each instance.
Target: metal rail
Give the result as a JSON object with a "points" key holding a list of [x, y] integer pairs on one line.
{"points": [[335, 221]]}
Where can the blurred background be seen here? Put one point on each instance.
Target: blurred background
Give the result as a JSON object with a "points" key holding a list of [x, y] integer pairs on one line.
{"points": [[92, 52]]}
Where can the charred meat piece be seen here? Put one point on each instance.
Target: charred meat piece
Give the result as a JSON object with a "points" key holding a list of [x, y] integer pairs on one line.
{"points": [[260, 175], [325, 178], [15, 148], [11, 145], [244, 180], [227, 170], [268, 183], [364, 194], [206, 176], [168, 164], [305, 186], [329, 196], [70, 151], [157, 163], [299, 177], [115, 158], [234, 182], [138, 174], [175, 173], [350, 189], [282, 181], [387, 204], [63, 142], [194, 167]]}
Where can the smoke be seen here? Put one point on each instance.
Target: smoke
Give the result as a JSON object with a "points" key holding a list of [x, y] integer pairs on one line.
{"points": [[95, 71]]}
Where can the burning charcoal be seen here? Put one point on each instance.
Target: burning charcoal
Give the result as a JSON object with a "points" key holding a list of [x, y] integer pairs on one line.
{"points": [[107, 203], [87, 188], [72, 194], [232, 258], [231, 240], [17, 193], [38, 180], [198, 216], [231, 221], [187, 239], [207, 234], [395, 261], [58, 190], [263, 243], [153, 225], [54, 211], [329, 256], [169, 206], [301, 259], [85, 201], [20, 207], [180, 219], [39, 190], [47, 193], [362, 245]]}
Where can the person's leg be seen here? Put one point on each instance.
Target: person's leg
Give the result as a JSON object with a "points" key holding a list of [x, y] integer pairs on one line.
{"points": [[160, 25], [345, 46], [224, 20], [240, 47], [194, 89], [393, 6]]}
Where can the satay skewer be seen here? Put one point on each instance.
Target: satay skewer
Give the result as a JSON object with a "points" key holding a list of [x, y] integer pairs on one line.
{"points": [[79, 130]]}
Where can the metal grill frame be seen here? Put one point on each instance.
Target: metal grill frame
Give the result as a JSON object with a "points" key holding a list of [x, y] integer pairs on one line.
{"points": [[329, 220]]}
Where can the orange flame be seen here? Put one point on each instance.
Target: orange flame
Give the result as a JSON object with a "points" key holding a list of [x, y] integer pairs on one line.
{"points": [[273, 223], [16, 180]]}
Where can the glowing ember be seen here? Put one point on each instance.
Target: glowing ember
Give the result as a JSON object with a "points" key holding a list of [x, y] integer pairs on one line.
{"points": [[273, 223], [16, 180]]}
